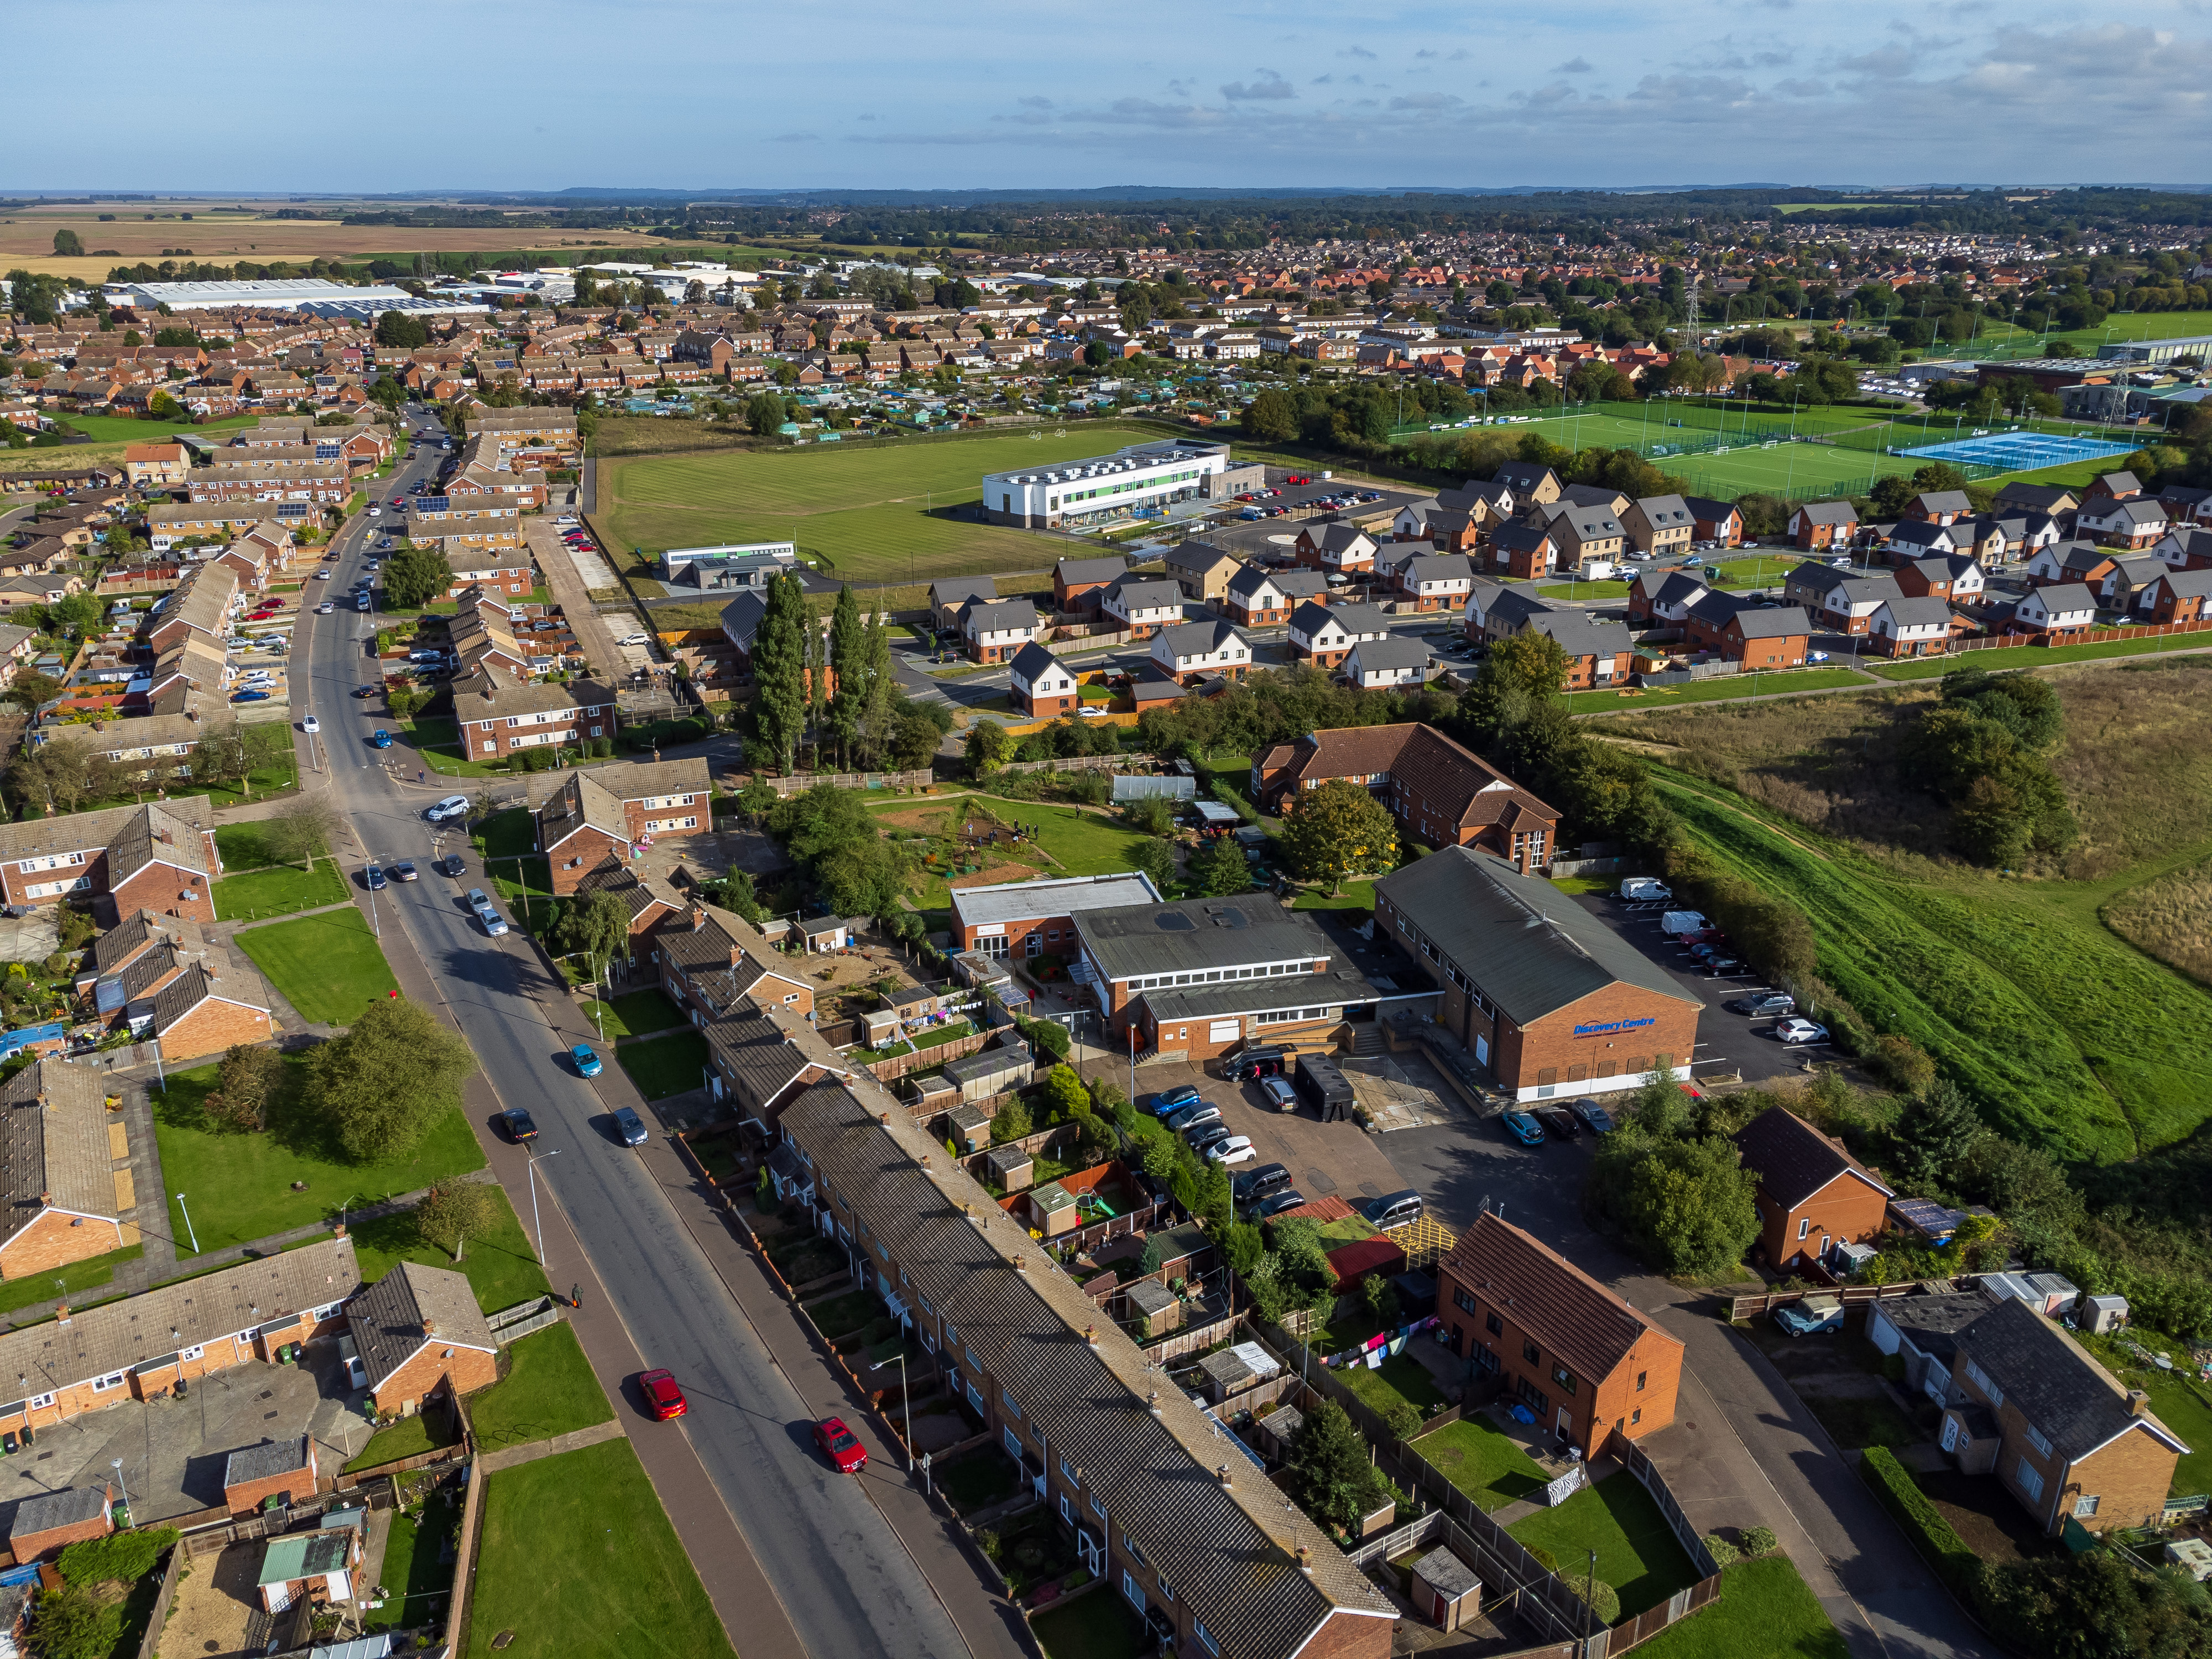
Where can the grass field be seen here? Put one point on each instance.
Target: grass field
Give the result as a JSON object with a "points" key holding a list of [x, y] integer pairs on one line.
{"points": [[2004, 340], [501, 1266], [2030, 656], [549, 1391], [278, 891], [116, 428], [240, 1188], [1788, 682], [577, 1560], [1765, 1611], [876, 515], [327, 967], [1637, 1553]]}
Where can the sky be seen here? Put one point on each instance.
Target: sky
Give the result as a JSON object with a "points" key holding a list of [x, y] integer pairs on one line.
{"points": [[890, 93]]}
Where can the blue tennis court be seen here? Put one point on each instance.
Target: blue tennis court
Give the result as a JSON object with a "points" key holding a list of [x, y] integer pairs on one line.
{"points": [[2021, 452]]}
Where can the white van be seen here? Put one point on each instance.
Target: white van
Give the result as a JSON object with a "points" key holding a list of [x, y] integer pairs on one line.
{"points": [[1642, 890]]}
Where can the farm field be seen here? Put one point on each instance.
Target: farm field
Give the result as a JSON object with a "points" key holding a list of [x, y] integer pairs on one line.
{"points": [[873, 514], [2018, 984]]}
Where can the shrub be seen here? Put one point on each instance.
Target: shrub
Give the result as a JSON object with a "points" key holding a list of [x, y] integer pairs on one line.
{"points": [[1402, 1418], [123, 1557], [1723, 1552], [1542, 1557], [1757, 1541], [1604, 1599], [1931, 1534]]}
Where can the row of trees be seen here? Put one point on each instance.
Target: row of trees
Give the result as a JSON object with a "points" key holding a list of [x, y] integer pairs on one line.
{"points": [[832, 684], [65, 773]]}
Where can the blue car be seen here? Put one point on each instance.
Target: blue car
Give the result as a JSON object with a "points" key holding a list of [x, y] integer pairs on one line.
{"points": [[1522, 1127], [1173, 1101], [251, 697], [629, 1126], [380, 738], [587, 1063], [374, 877]]}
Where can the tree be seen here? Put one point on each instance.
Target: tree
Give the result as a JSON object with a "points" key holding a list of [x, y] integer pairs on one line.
{"points": [[162, 407], [1154, 859], [1065, 1094], [383, 1083], [987, 748], [1221, 869], [245, 1078], [1334, 1482], [764, 413], [1661, 1106], [1935, 1134], [415, 576], [780, 668], [1689, 1207], [58, 774], [455, 1212], [74, 612], [68, 245], [300, 828], [30, 688], [914, 738], [1339, 830], [1272, 416], [596, 923], [399, 330], [1012, 1122], [73, 1622], [848, 660], [176, 337]]}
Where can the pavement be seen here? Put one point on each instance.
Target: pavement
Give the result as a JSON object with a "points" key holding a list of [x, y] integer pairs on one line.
{"points": [[796, 1559]]}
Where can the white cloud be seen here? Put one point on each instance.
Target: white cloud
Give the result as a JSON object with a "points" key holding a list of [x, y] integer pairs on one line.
{"points": [[1272, 86]]}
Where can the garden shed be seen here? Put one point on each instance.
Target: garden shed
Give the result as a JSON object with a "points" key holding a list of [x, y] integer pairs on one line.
{"points": [[1156, 1309], [1010, 1167], [1444, 1589], [1226, 1375], [970, 1126], [992, 1072]]}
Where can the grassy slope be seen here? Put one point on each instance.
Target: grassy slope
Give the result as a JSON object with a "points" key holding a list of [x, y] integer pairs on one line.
{"points": [[868, 510]]}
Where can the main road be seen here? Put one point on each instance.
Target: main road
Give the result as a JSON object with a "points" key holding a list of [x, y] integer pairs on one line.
{"points": [[847, 1585]]}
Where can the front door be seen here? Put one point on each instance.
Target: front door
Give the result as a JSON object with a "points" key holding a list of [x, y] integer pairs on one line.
{"points": [[1950, 1434], [1565, 1425]]}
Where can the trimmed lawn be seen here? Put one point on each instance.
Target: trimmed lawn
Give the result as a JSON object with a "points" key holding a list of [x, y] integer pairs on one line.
{"points": [[577, 1559], [2034, 656], [327, 967], [549, 1391], [239, 1188], [436, 745], [520, 879], [279, 891], [78, 1276], [1765, 1611], [666, 1066], [418, 1570], [117, 428], [2180, 1403], [636, 1014], [410, 1437], [1357, 895], [1782, 683], [501, 1266], [1637, 1553], [1101, 1626], [1395, 1379], [1477, 1457]]}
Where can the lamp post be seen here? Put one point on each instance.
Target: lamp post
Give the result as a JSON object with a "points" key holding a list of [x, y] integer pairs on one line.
{"points": [[116, 1463], [189, 1233], [536, 1223]]}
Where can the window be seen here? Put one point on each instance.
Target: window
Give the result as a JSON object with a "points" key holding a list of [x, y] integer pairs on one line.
{"points": [[193, 1352], [40, 1401], [1206, 1641], [1013, 1408], [1529, 1352], [1129, 1588], [1167, 1593], [1461, 1300], [2037, 1439], [1492, 1324], [113, 1380], [1564, 1378], [1804, 1226], [1097, 1508], [1640, 1377], [1067, 1510], [2085, 1506], [1636, 1416], [2029, 1477], [1130, 1548]]}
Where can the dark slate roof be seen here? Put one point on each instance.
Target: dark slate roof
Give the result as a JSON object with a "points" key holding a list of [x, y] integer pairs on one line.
{"points": [[1230, 1551], [1793, 1159], [1074, 573], [51, 1509], [1391, 653], [1830, 512], [390, 1321], [1192, 935], [1919, 532], [1932, 1324], [270, 1457], [2049, 1377], [1780, 621], [1579, 636], [1916, 612], [1531, 948], [1033, 660]]}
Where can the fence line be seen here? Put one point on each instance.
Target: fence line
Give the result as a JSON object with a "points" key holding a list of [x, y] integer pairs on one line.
{"points": [[150, 1643]]}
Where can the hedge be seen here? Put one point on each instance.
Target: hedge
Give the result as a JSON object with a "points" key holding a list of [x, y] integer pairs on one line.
{"points": [[1960, 1568]]}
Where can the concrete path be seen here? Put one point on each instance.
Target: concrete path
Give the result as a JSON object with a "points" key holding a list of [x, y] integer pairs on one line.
{"points": [[577, 1440]]}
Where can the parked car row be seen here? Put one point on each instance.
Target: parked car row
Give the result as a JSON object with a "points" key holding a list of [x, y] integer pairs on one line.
{"points": [[1198, 1120]]}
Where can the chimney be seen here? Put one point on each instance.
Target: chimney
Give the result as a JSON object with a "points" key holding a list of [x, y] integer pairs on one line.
{"points": [[2138, 1403], [429, 1327], [62, 1314]]}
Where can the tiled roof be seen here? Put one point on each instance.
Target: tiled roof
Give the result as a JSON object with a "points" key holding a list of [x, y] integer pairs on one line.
{"points": [[134, 932], [490, 697], [1231, 1550], [1580, 637], [130, 826], [53, 1141], [1074, 573], [2071, 1400], [409, 1306], [1197, 638], [1454, 781], [65, 1508], [1793, 1159], [1573, 1318]]}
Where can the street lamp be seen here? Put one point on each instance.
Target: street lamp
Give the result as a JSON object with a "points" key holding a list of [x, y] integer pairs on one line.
{"points": [[116, 1463], [536, 1223], [189, 1233]]}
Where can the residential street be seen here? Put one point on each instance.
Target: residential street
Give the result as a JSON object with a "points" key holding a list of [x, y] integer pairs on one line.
{"points": [[812, 1565]]}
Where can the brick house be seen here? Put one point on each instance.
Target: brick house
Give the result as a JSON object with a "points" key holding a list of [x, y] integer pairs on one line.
{"points": [[2085, 562], [283, 1469], [64, 1195], [2178, 596], [1078, 585], [1661, 526], [1715, 521], [1254, 597], [2133, 523], [155, 466], [1441, 793], [1658, 597], [1911, 627], [2054, 611], [1818, 525], [492, 569], [608, 813], [1599, 653], [497, 717], [1942, 576], [125, 859], [1324, 635], [45, 1525], [1777, 637], [1335, 549], [1839, 600], [1812, 1193], [421, 1334], [139, 1347], [996, 631], [2064, 1437], [1040, 685], [1939, 506], [1037, 918], [1582, 531], [1201, 570], [1538, 989], [1191, 652], [1579, 1358], [1139, 604], [1523, 550], [706, 958]]}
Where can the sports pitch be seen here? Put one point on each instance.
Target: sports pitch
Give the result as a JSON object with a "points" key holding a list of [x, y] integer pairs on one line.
{"points": [[874, 513]]}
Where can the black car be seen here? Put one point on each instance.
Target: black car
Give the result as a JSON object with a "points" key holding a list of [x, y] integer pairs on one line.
{"points": [[1256, 1184], [1290, 1199], [1250, 1063], [520, 1126], [1559, 1122], [1207, 1134], [451, 864]]}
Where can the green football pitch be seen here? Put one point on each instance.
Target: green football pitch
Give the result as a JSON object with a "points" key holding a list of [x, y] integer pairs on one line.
{"points": [[874, 513]]}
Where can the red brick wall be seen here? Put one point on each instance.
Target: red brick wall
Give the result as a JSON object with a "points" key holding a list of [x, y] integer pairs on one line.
{"points": [[46, 1545], [1548, 1054], [1049, 708], [579, 853], [468, 1370], [54, 1238], [293, 1485], [212, 1027], [1847, 1210]]}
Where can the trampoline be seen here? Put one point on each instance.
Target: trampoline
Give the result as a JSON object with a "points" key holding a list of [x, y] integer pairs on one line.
{"points": [[2021, 452]]}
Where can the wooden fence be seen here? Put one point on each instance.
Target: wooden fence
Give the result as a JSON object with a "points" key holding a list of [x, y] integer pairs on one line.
{"points": [[799, 782], [457, 1607], [1747, 1307], [150, 1643], [888, 1071]]}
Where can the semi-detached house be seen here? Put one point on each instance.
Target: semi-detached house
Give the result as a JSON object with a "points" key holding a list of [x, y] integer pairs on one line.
{"points": [[996, 631], [1191, 652], [65, 1198], [1184, 1529], [1141, 603], [1441, 794], [606, 814], [497, 717], [159, 857], [1324, 635]]}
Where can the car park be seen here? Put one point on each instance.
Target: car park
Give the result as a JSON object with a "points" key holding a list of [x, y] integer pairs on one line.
{"points": [[1279, 1094], [1255, 1061], [1234, 1149], [1205, 1135], [1198, 1112], [1800, 1030], [373, 877], [1256, 1184], [629, 1128], [1594, 1117], [1759, 1003], [1520, 1126], [662, 1397], [588, 1064], [1559, 1122], [841, 1445], [404, 871]]}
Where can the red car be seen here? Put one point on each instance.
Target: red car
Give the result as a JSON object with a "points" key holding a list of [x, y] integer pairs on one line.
{"points": [[840, 1446], [662, 1397]]}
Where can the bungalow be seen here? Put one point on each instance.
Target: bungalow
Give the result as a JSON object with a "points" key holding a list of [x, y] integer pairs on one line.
{"points": [[1818, 525], [1380, 664], [996, 631], [2060, 609], [1191, 652], [1577, 1357], [1141, 603], [1324, 635], [1042, 687], [2179, 596], [1911, 627], [1812, 1194], [1661, 526]]}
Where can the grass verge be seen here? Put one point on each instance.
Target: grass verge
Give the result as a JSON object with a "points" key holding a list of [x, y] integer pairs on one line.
{"points": [[501, 1266], [279, 891], [328, 967], [550, 1390], [1765, 1611], [666, 1066], [636, 1014]]}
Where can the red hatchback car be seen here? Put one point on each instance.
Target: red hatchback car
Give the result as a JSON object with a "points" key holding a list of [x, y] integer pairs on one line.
{"points": [[840, 1445], [662, 1397]]}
